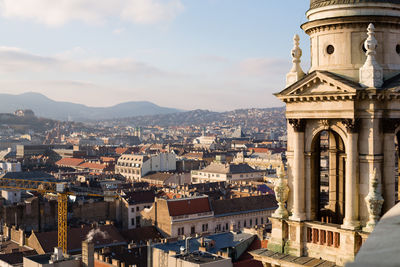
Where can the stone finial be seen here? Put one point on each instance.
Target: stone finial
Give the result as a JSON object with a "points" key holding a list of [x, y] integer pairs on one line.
{"points": [[371, 73], [296, 73], [374, 201], [281, 194]]}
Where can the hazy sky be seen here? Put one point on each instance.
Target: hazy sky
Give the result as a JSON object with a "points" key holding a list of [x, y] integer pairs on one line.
{"points": [[189, 54]]}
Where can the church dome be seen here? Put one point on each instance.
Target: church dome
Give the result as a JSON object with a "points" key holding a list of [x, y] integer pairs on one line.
{"points": [[324, 3]]}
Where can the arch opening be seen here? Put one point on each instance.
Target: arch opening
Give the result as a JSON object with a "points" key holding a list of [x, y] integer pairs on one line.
{"points": [[328, 178]]}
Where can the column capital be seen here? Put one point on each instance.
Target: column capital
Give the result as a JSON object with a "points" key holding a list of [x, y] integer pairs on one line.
{"points": [[390, 125], [352, 125], [298, 125]]}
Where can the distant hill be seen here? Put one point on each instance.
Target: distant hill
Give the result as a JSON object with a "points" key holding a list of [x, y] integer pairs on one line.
{"points": [[43, 106], [253, 117]]}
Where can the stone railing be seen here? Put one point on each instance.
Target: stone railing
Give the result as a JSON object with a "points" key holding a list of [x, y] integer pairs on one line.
{"points": [[324, 235]]}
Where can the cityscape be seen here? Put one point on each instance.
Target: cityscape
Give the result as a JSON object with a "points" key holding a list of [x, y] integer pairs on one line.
{"points": [[240, 159]]}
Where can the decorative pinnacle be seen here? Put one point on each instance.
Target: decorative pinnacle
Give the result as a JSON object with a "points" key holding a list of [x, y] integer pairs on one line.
{"points": [[296, 73], [296, 51], [282, 173], [371, 73], [371, 43]]}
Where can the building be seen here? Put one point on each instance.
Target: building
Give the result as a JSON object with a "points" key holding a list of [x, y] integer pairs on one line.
{"points": [[198, 214], [229, 245], [167, 178], [132, 204], [10, 167], [350, 94], [134, 167], [221, 172], [260, 160]]}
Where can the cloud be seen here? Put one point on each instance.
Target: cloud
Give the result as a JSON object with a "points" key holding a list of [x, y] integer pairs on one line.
{"points": [[13, 59], [118, 30], [58, 12], [151, 11], [263, 66]]}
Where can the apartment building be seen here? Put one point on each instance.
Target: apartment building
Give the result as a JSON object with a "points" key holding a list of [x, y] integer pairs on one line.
{"points": [[198, 214], [223, 172], [134, 166]]}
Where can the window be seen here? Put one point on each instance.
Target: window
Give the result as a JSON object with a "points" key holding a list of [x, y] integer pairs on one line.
{"points": [[251, 222], [133, 221], [226, 226], [262, 220], [239, 224], [330, 49], [181, 231], [192, 230], [132, 209], [137, 208], [204, 227], [244, 223], [256, 221], [137, 221]]}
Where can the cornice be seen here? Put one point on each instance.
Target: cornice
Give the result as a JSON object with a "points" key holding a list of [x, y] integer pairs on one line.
{"points": [[350, 22]]}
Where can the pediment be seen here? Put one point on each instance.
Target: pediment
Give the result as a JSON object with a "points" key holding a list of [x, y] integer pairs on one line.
{"points": [[320, 83]]}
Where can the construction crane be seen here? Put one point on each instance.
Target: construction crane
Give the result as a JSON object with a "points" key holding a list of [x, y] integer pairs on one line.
{"points": [[62, 191]]}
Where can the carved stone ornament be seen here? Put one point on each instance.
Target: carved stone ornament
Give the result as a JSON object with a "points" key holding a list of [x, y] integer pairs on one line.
{"points": [[297, 124], [296, 73], [351, 125], [374, 202], [371, 73], [281, 194], [324, 123]]}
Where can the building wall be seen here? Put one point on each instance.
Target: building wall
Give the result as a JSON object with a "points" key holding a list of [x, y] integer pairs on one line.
{"points": [[95, 211], [202, 177]]}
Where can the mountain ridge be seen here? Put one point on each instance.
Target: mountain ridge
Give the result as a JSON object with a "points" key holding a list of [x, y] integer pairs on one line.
{"points": [[43, 106]]}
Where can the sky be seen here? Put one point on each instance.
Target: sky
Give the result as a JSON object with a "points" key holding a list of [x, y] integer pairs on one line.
{"points": [[187, 54]]}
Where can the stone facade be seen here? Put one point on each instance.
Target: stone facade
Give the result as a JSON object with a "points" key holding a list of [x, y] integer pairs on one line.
{"points": [[346, 111]]}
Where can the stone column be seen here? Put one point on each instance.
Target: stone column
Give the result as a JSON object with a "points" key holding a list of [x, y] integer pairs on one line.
{"points": [[351, 219], [298, 170], [389, 159], [308, 156]]}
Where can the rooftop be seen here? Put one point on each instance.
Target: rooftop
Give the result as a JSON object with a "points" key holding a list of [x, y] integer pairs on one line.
{"points": [[199, 257]]}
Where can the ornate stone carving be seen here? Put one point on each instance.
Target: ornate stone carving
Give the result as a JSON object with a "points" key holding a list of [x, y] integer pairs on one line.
{"points": [[371, 73], [297, 124], [324, 123], [374, 202], [296, 73], [281, 194], [351, 125]]}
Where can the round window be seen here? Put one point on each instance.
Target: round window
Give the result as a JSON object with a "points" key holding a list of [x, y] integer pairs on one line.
{"points": [[330, 49]]}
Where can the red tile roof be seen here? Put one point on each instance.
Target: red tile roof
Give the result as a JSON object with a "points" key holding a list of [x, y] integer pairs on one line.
{"points": [[93, 166], [121, 150], [189, 206], [72, 162], [259, 149]]}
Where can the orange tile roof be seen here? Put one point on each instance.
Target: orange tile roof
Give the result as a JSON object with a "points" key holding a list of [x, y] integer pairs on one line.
{"points": [[72, 162], [93, 166], [121, 150]]}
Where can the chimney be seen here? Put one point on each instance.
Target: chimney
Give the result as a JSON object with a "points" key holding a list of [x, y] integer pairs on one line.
{"points": [[87, 254]]}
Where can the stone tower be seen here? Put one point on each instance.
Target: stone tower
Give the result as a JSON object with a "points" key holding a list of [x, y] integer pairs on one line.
{"points": [[342, 123]]}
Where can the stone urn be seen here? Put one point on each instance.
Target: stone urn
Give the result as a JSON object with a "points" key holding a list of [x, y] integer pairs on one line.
{"points": [[374, 202], [281, 194]]}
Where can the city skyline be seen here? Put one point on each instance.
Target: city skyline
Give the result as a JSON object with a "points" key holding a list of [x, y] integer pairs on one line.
{"points": [[177, 53]]}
